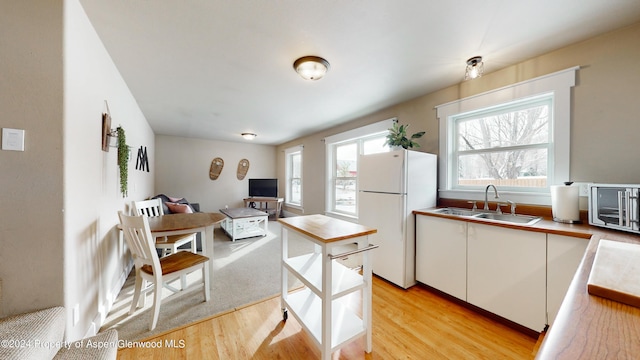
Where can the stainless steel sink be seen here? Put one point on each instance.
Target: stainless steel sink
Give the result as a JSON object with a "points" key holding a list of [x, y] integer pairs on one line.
{"points": [[456, 211], [490, 216], [508, 218]]}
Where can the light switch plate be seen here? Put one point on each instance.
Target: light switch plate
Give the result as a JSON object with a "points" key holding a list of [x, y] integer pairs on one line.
{"points": [[12, 139]]}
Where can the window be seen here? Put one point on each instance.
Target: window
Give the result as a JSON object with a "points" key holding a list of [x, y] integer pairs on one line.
{"points": [[344, 190], [342, 164], [508, 146], [293, 168], [516, 137]]}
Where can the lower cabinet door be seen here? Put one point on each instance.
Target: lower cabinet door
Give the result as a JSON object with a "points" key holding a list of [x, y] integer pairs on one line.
{"points": [[507, 273], [564, 254], [441, 254]]}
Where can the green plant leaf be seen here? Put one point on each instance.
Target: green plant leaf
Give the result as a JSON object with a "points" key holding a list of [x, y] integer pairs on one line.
{"points": [[123, 160], [397, 136]]}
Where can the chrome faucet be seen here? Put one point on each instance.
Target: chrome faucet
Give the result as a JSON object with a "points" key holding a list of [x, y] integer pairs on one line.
{"points": [[508, 203], [486, 191]]}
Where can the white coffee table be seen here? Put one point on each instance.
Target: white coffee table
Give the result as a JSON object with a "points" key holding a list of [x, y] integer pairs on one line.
{"points": [[242, 223]]}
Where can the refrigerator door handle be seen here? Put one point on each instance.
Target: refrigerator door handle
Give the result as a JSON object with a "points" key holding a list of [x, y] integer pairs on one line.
{"points": [[403, 205]]}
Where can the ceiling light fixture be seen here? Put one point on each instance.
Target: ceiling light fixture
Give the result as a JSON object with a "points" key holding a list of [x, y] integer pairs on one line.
{"points": [[249, 136], [475, 68], [311, 67]]}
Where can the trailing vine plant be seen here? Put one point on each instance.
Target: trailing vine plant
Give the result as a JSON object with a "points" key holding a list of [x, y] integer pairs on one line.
{"points": [[123, 160]]}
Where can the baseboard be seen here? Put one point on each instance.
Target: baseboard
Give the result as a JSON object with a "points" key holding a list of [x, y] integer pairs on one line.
{"points": [[1, 312], [105, 307], [92, 329], [287, 214]]}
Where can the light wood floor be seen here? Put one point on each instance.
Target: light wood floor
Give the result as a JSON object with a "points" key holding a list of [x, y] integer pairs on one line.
{"points": [[407, 324]]}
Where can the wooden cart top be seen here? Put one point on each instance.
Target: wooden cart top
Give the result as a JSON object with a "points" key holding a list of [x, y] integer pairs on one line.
{"points": [[325, 228]]}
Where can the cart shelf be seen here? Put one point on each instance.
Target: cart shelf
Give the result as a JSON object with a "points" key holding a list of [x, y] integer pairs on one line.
{"points": [[305, 305], [308, 268]]}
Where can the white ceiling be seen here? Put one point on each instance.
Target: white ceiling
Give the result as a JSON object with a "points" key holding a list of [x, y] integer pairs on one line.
{"points": [[213, 69]]}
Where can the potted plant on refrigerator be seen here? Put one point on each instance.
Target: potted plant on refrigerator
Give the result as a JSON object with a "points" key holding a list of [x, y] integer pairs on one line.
{"points": [[398, 137]]}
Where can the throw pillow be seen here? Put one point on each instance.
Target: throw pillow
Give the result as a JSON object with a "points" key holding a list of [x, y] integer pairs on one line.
{"points": [[179, 208]]}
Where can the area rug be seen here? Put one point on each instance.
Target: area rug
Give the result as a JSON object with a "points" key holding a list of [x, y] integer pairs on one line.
{"points": [[245, 271]]}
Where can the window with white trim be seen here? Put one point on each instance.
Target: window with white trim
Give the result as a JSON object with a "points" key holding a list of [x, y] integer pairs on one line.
{"points": [[342, 164], [293, 170], [516, 137], [509, 146]]}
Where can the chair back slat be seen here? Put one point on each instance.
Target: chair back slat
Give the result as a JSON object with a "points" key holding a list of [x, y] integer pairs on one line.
{"points": [[139, 239], [151, 208]]}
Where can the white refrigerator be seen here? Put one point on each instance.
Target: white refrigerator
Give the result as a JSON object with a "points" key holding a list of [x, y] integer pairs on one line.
{"points": [[390, 186]]}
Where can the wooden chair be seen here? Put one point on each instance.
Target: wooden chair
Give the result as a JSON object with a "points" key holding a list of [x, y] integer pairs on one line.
{"points": [[166, 244], [158, 271]]}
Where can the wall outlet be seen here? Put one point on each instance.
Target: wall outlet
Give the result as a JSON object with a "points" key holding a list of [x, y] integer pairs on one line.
{"points": [[584, 188]]}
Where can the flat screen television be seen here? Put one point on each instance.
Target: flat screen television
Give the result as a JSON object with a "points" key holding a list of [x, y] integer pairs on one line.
{"points": [[263, 187]]}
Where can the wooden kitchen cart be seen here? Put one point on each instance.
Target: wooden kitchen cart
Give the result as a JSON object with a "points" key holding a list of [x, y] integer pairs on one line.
{"points": [[318, 307]]}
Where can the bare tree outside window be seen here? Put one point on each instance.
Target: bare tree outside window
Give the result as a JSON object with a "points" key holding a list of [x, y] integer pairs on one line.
{"points": [[343, 170], [346, 176], [508, 148]]}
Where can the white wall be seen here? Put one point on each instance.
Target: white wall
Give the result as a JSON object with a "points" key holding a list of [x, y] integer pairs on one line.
{"points": [[58, 241], [182, 170], [94, 256]]}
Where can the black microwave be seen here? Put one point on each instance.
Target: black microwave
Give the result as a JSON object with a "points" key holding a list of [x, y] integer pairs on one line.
{"points": [[615, 206]]}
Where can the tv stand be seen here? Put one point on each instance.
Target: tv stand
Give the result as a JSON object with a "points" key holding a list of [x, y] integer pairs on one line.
{"points": [[262, 204]]}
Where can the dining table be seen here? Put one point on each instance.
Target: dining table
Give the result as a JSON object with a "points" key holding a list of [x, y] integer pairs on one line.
{"points": [[187, 223]]}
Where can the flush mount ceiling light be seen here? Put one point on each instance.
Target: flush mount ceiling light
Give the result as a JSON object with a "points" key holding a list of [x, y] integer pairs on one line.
{"points": [[311, 67], [475, 68], [249, 136]]}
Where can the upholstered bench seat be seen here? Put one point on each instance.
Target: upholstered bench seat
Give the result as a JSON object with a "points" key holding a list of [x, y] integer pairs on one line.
{"points": [[40, 335]]}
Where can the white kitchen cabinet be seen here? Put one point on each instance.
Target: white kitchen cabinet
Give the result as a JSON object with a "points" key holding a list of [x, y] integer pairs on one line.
{"points": [[441, 254], [318, 307], [564, 254], [506, 273]]}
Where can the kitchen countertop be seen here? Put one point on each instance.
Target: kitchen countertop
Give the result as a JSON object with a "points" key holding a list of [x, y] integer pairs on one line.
{"points": [[587, 326], [545, 225]]}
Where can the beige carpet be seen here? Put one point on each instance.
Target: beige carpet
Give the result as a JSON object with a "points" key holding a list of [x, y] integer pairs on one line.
{"points": [[245, 271]]}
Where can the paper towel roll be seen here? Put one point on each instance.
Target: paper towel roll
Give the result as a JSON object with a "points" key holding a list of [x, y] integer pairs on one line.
{"points": [[565, 203]]}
